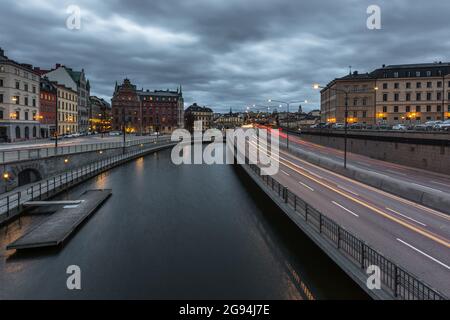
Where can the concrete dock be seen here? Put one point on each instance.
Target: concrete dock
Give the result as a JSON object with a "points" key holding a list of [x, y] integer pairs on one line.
{"points": [[60, 225]]}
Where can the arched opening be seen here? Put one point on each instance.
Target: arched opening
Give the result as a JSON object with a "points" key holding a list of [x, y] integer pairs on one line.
{"points": [[18, 132], [27, 133], [29, 176], [34, 132]]}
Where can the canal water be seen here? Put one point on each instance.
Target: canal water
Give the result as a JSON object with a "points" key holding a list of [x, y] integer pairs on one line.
{"points": [[176, 232]]}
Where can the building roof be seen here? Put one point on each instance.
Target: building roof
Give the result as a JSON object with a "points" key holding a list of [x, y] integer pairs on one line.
{"points": [[197, 108], [47, 85], [6, 60]]}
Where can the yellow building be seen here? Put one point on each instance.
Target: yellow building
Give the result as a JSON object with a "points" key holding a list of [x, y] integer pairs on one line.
{"points": [[67, 110]]}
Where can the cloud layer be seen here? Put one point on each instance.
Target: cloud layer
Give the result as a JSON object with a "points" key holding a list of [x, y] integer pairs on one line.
{"points": [[225, 53]]}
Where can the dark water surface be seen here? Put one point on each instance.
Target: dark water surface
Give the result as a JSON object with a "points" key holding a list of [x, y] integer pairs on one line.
{"points": [[176, 232]]}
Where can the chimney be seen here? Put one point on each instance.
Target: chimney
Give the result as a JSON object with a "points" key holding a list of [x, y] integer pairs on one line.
{"points": [[384, 66], [2, 53]]}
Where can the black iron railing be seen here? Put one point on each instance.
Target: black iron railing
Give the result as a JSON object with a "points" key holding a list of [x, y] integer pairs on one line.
{"points": [[399, 282]]}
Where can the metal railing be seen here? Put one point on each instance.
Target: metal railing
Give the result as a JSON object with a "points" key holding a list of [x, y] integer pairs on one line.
{"points": [[12, 204], [399, 282], [7, 156]]}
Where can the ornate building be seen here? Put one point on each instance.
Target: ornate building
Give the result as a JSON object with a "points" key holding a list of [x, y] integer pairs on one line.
{"points": [[147, 111]]}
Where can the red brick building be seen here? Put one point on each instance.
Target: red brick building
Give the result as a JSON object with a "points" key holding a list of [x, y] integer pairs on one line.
{"points": [[146, 111], [47, 108]]}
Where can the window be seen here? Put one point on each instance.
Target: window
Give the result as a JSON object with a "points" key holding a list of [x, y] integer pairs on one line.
{"points": [[428, 73], [34, 102], [395, 108], [1, 82], [364, 114], [429, 84], [17, 115], [26, 101], [417, 108], [17, 85], [439, 109], [1, 98], [396, 97], [385, 97], [418, 96], [385, 85], [408, 85], [25, 86], [384, 109], [419, 85], [364, 101], [418, 74], [1, 114], [428, 108], [395, 74], [428, 96], [26, 115], [408, 108], [396, 85], [34, 89], [16, 99], [408, 97], [439, 96], [439, 84]]}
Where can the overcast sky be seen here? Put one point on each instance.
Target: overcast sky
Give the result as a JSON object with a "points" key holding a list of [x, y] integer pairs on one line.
{"points": [[225, 53]]}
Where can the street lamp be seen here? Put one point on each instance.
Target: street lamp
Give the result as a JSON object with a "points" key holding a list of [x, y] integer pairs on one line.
{"points": [[317, 86], [288, 118]]}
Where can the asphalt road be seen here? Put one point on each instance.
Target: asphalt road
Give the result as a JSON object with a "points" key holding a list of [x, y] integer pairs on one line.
{"points": [[426, 179], [413, 236]]}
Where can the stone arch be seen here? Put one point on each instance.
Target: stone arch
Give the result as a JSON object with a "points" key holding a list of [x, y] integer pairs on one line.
{"points": [[34, 132], [18, 132], [28, 175], [27, 133]]}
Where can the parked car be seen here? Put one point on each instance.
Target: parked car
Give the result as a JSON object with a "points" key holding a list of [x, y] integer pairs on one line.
{"points": [[356, 126], [338, 126], [443, 125], [421, 127], [399, 127]]}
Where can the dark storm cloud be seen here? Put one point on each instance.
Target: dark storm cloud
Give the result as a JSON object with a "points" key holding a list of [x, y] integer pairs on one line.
{"points": [[225, 53]]}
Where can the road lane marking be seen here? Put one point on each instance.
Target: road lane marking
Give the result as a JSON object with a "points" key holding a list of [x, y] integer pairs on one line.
{"points": [[345, 189], [425, 233], [442, 184], [342, 207], [285, 172], [400, 214], [426, 255], [306, 186]]}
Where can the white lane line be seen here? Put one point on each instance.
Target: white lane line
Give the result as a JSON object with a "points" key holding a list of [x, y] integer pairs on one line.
{"points": [[285, 172], [400, 214], [441, 184], [345, 189], [306, 186], [426, 187], [342, 207], [396, 172], [426, 255]]}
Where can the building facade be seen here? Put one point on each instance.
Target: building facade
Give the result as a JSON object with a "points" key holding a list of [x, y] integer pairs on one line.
{"points": [[197, 113], [144, 111], [19, 101], [76, 81], [408, 94], [99, 115], [47, 110], [67, 110], [229, 120]]}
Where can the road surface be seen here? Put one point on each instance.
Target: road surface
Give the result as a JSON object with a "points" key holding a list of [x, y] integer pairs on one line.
{"points": [[413, 236]]}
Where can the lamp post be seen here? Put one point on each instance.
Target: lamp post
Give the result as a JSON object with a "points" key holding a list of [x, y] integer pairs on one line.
{"points": [[316, 87], [288, 118], [123, 128]]}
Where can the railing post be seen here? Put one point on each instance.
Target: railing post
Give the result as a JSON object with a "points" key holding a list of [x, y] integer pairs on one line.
{"points": [[362, 254], [320, 223], [339, 237], [395, 280]]}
